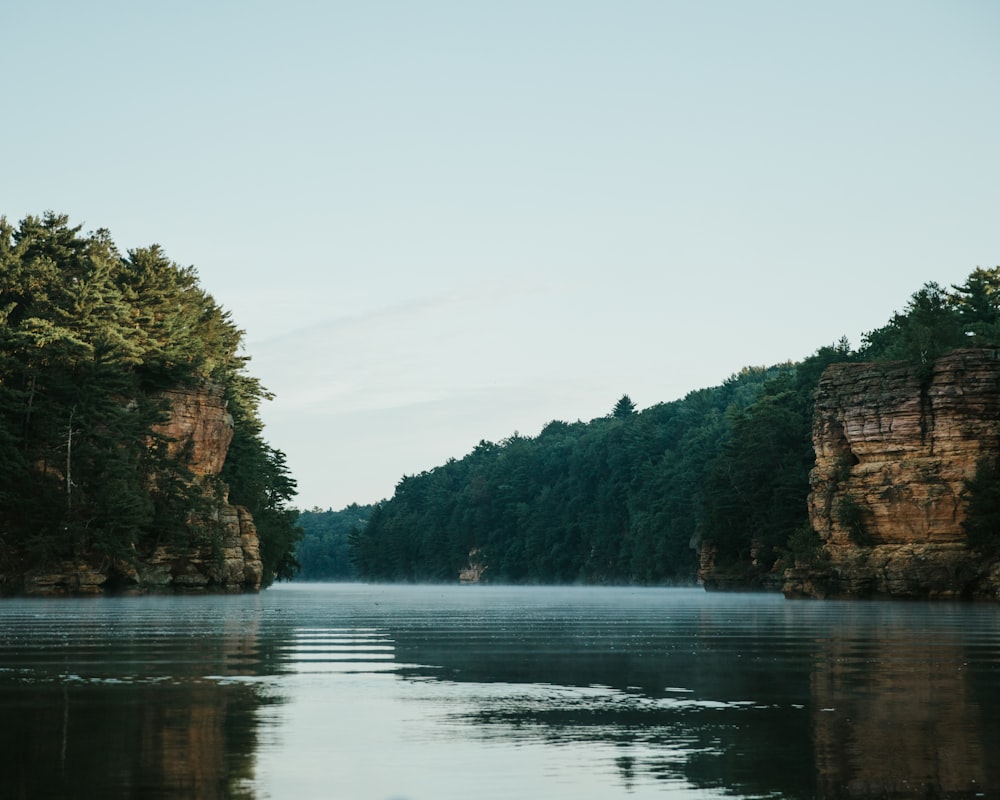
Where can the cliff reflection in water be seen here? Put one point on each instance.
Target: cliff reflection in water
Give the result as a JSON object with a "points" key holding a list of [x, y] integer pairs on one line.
{"points": [[101, 741], [904, 715], [99, 705], [838, 700], [358, 691]]}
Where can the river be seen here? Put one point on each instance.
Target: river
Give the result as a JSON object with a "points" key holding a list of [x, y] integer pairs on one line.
{"points": [[361, 692]]}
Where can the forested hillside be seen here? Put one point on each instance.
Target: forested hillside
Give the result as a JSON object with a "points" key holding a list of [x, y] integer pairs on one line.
{"points": [[89, 340], [620, 499], [324, 550], [721, 475]]}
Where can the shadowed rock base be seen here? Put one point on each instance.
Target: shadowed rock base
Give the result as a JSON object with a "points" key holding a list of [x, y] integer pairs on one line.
{"points": [[199, 427]]}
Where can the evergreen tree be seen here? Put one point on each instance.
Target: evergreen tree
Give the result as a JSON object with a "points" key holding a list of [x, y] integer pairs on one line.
{"points": [[977, 302], [630, 497], [616, 500], [929, 327], [324, 550], [88, 340], [982, 520], [624, 407]]}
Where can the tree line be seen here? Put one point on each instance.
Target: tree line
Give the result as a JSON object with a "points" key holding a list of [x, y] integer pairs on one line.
{"points": [[631, 497], [324, 552], [89, 340]]}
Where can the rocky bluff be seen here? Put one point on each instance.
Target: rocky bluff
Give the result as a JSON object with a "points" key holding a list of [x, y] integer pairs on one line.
{"points": [[199, 430], [894, 446]]}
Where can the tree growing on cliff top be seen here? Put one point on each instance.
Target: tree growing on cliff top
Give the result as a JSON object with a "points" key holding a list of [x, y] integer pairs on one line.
{"points": [[88, 339], [929, 327], [977, 302], [936, 320]]}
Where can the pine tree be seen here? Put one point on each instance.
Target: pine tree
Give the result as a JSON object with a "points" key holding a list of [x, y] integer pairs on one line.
{"points": [[88, 341]]}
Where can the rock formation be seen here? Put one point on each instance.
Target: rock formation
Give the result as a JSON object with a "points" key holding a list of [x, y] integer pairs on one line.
{"points": [[894, 446], [199, 430]]}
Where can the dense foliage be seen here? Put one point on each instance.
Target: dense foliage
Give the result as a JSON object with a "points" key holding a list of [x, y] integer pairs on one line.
{"points": [[614, 500], [89, 338], [982, 522], [633, 497], [324, 550]]}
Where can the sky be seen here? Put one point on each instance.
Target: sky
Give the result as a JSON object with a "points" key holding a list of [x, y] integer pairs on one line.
{"points": [[442, 221]]}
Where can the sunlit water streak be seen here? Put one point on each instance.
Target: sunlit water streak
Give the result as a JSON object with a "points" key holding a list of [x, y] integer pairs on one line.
{"points": [[494, 692]]}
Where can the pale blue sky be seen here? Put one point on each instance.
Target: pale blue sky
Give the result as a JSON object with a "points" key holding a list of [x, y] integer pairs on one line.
{"points": [[440, 222]]}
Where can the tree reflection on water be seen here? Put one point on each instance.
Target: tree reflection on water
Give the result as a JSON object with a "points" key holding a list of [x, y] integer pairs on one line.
{"points": [[655, 692], [96, 740], [97, 704], [868, 701]]}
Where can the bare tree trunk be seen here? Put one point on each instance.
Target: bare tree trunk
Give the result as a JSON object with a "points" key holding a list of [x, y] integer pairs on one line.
{"points": [[27, 414], [69, 461]]}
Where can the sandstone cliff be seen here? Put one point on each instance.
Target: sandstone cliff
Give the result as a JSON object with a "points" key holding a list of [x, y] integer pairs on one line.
{"points": [[894, 446], [199, 430]]}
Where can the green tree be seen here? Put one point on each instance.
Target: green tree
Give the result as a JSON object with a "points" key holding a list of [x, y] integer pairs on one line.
{"points": [[757, 489], [624, 407], [929, 327], [615, 500], [977, 302], [982, 507], [88, 340], [324, 550], [258, 478]]}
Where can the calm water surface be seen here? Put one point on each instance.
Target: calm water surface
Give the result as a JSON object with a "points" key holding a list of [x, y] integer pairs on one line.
{"points": [[429, 693]]}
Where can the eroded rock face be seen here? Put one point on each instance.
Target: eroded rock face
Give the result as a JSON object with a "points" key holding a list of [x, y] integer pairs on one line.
{"points": [[235, 567], [893, 452], [200, 430]]}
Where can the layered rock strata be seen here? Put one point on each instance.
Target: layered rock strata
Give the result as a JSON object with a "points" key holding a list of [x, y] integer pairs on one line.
{"points": [[894, 445], [199, 430]]}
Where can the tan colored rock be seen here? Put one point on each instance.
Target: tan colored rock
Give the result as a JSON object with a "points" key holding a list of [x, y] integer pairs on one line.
{"points": [[66, 577], [199, 430], [239, 565], [233, 566], [253, 567], [893, 453], [198, 427]]}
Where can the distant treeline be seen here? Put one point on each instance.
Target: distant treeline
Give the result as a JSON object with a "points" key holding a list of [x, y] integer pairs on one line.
{"points": [[621, 499], [632, 497], [324, 552]]}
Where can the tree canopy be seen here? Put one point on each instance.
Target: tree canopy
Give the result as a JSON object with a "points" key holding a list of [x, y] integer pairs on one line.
{"points": [[631, 497], [89, 339], [324, 551], [615, 500]]}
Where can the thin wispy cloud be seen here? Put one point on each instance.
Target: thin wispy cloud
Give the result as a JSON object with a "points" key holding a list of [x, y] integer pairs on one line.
{"points": [[516, 215]]}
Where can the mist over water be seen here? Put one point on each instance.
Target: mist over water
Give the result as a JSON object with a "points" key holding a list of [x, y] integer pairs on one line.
{"points": [[351, 691]]}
